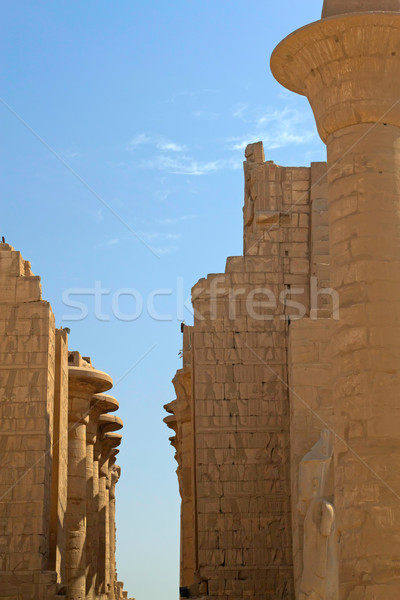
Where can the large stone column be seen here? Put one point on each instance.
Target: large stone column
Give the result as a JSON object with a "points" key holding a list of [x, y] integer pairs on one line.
{"points": [[83, 383], [348, 65], [108, 441], [100, 404], [114, 475], [96, 508]]}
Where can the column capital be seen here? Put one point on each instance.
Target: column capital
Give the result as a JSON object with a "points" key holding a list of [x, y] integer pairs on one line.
{"points": [[108, 423], [348, 67], [100, 404], [83, 383], [109, 441]]}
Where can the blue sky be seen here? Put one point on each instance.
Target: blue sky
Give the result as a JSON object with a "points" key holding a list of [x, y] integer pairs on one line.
{"points": [[123, 128]]}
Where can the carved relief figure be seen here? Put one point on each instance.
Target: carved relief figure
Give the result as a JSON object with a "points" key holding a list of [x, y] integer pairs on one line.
{"points": [[254, 158], [320, 562]]}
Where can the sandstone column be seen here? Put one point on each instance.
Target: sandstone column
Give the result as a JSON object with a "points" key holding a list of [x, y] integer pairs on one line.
{"points": [[349, 68], [115, 472], [96, 508], [59, 478], [100, 404], [84, 381], [108, 441]]}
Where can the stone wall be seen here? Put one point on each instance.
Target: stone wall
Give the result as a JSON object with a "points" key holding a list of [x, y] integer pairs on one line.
{"points": [[26, 416], [321, 460], [239, 372], [53, 412]]}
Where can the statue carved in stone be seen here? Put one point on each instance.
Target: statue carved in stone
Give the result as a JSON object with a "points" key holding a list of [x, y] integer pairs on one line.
{"points": [[254, 161], [320, 579]]}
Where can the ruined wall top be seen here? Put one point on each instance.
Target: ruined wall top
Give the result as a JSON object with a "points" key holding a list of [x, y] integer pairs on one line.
{"points": [[333, 8], [76, 360]]}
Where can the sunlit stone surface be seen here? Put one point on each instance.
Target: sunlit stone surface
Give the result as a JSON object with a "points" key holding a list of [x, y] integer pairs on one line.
{"points": [[262, 516], [51, 435]]}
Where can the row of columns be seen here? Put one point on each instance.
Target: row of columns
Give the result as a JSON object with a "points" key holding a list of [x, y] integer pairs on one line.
{"points": [[92, 477]]}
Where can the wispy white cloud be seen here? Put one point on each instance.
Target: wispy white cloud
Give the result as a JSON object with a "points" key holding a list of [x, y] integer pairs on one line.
{"points": [[162, 194], [176, 220], [192, 94], [161, 242], [111, 243], [186, 165], [150, 236], [69, 154], [139, 140], [170, 147], [158, 141], [272, 141], [277, 129], [163, 250], [207, 115]]}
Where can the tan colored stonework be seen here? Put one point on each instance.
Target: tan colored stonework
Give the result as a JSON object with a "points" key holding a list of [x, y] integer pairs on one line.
{"points": [[51, 419], [181, 422], [239, 403], [295, 422], [360, 123], [311, 399]]}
